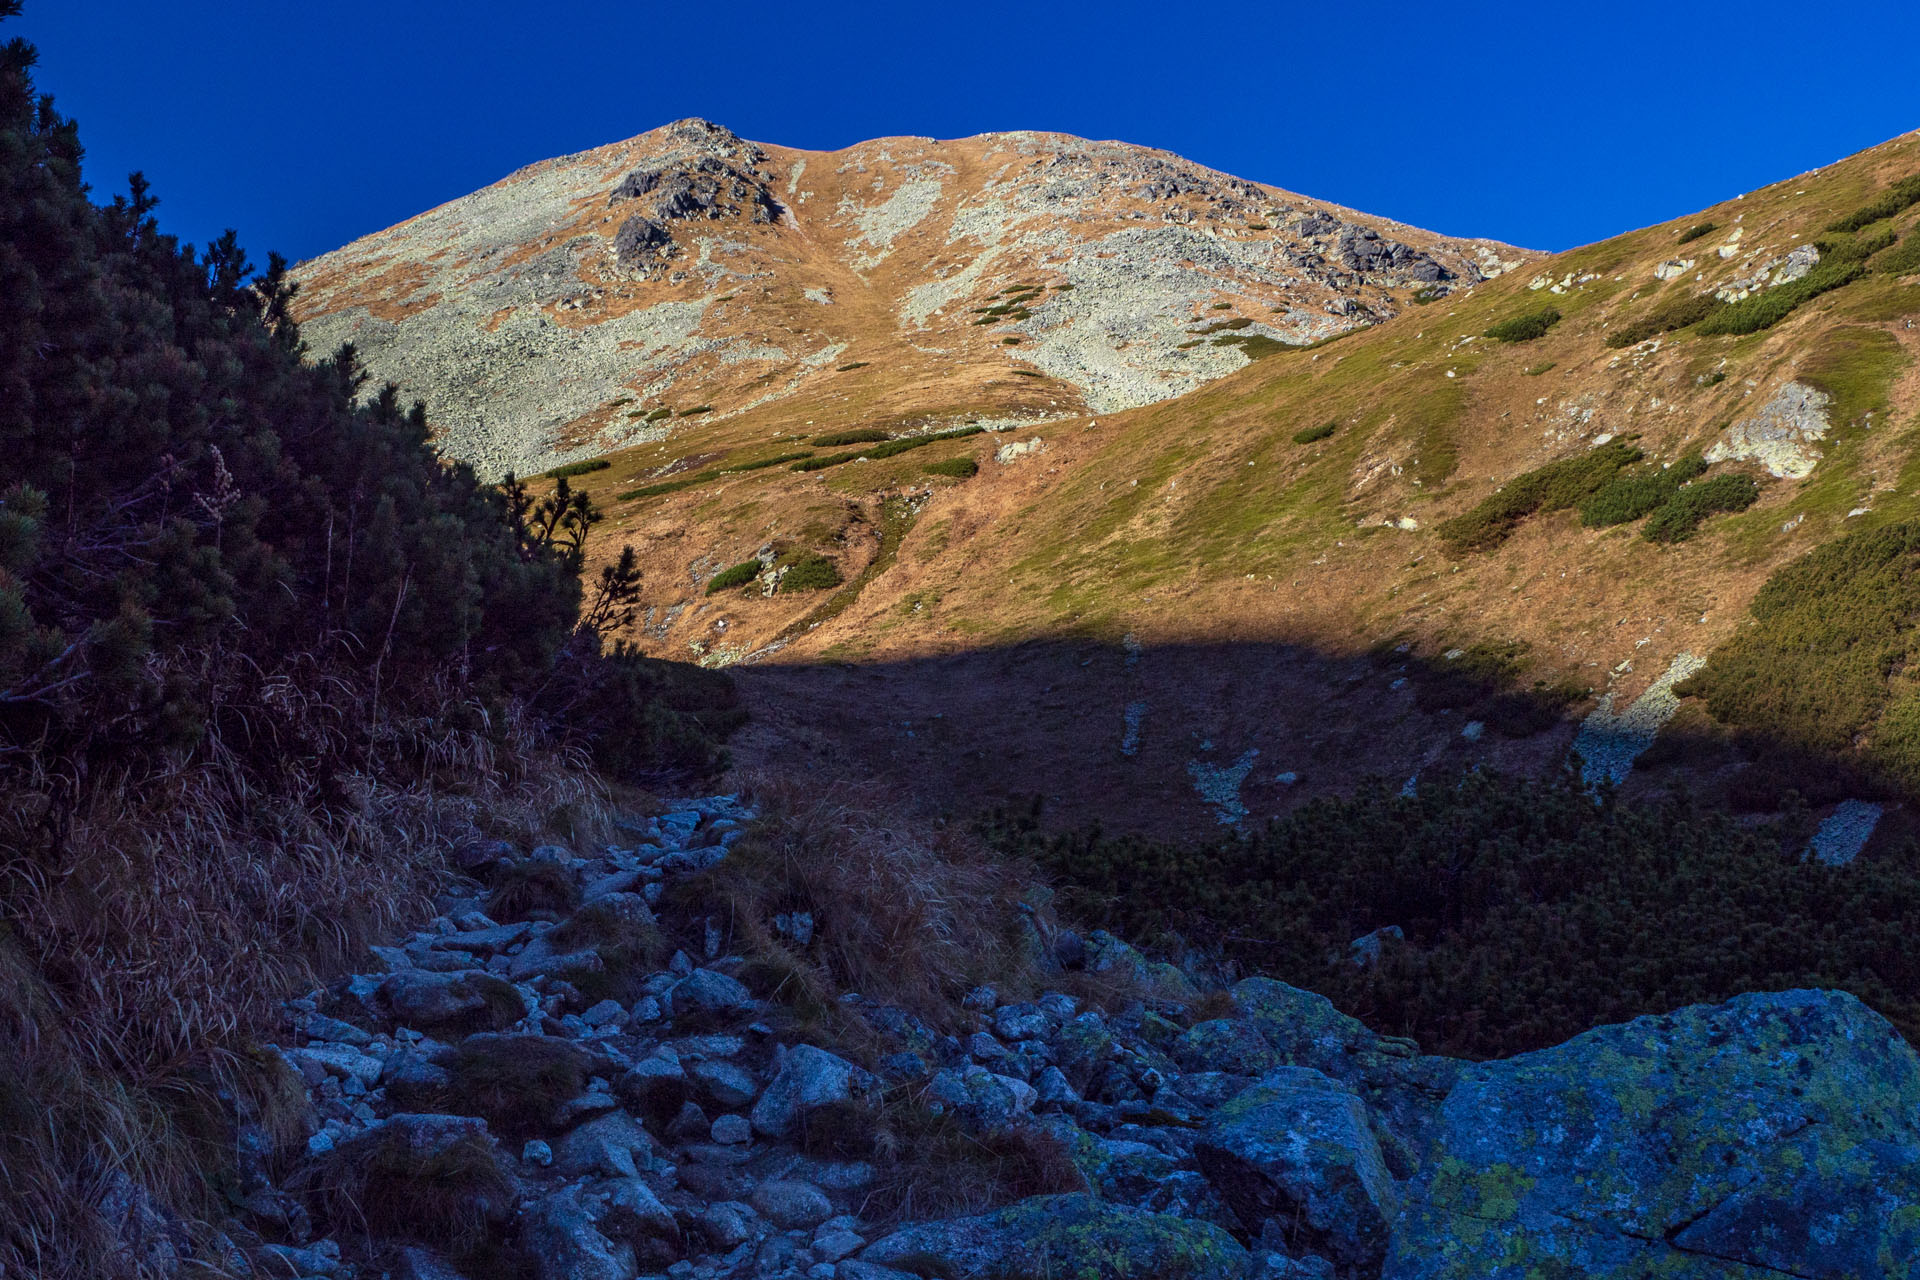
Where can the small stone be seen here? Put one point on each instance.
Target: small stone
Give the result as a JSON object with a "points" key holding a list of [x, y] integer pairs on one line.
{"points": [[1053, 1090], [831, 1246], [691, 1123], [706, 992], [605, 1146], [561, 1240], [606, 1013], [725, 1225], [809, 1077], [537, 1152], [791, 1204], [981, 998], [731, 1130], [724, 1083], [634, 1213]]}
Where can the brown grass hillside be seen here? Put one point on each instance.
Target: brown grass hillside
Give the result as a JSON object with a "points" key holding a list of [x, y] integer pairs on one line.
{"points": [[1191, 555]]}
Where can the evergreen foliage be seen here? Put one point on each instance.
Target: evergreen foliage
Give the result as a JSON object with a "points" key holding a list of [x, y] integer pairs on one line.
{"points": [[191, 511], [1855, 248], [761, 463], [734, 576], [1531, 913], [1697, 231], [1903, 259], [1527, 327], [1635, 492], [1680, 517], [1899, 197], [885, 449], [962, 468], [1823, 668], [861, 435], [588, 467], [1675, 313], [1554, 487], [1307, 435], [1765, 309], [810, 572]]}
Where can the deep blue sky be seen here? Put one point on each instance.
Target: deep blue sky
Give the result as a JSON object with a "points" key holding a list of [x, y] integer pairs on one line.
{"points": [[305, 124]]}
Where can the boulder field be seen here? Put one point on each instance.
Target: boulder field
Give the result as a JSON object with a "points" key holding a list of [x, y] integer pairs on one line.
{"points": [[478, 1098]]}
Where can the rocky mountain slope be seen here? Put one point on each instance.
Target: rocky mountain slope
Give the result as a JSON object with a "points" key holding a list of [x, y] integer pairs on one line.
{"points": [[597, 300], [1203, 564], [1272, 575], [565, 1077]]}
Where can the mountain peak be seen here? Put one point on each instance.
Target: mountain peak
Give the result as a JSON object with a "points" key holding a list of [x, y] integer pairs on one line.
{"points": [[1017, 275]]}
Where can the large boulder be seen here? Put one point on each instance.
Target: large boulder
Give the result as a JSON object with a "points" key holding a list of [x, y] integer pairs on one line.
{"points": [[1773, 1135], [562, 1242], [1402, 1087], [1296, 1149], [808, 1078], [1224, 1044], [1070, 1235]]}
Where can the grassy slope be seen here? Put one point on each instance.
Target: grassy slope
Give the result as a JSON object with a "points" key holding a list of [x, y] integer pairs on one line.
{"points": [[1202, 520]]}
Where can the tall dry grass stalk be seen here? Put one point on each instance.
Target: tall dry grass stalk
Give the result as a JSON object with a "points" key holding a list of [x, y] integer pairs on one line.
{"points": [[146, 942], [907, 911]]}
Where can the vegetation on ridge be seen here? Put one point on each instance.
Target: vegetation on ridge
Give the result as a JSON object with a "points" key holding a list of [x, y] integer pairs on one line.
{"points": [[1529, 913], [265, 657]]}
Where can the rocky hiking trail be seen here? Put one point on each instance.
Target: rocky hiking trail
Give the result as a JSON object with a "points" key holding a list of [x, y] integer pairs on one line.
{"points": [[473, 1108]]}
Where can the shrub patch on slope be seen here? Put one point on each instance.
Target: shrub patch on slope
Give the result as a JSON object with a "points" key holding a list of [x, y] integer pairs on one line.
{"points": [[1529, 912]]}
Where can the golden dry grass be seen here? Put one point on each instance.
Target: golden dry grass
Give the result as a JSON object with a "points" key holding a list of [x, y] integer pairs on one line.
{"points": [[152, 931], [907, 911]]}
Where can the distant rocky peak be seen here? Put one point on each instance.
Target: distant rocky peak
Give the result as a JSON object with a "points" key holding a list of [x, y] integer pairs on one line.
{"points": [[694, 137], [707, 172]]}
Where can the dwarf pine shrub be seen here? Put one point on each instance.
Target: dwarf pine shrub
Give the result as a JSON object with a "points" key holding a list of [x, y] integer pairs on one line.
{"points": [[1527, 327], [1675, 313], [810, 572], [1530, 912], [1554, 487], [1681, 515], [734, 576]]}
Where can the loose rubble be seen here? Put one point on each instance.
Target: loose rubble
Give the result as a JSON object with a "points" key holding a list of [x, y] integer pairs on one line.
{"points": [[476, 1099]]}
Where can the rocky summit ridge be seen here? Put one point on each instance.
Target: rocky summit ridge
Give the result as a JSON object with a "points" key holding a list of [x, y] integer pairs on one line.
{"points": [[580, 304], [477, 1092]]}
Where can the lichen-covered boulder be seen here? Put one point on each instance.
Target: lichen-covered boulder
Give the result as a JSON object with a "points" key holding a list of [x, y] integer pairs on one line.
{"points": [[1082, 1050], [1305, 1029], [561, 1242], [1774, 1134], [1297, 1149], [1070, 1235], [1401, 1086], [1225, 1044]]}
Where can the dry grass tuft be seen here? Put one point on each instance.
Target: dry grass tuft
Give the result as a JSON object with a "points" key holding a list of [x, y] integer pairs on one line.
{"points": [[905, 912], [149, 931], [930, 1165], [452, 1195], [516, 1081], [532, 891]]}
